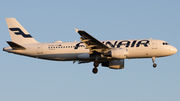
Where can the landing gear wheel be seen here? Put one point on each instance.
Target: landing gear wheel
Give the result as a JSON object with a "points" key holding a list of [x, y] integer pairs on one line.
{"points": [[95, 70], [96, 63], [154, 65]]}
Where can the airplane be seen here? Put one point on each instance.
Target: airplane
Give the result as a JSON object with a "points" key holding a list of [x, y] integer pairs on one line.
{"points": [[107, 53]]}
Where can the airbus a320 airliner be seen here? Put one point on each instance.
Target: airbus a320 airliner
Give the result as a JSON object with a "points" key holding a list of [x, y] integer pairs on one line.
{"points": [[107, 53]]}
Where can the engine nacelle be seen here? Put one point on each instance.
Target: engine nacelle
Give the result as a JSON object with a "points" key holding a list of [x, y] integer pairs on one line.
{"points": [[117, 53], [114, 64]]}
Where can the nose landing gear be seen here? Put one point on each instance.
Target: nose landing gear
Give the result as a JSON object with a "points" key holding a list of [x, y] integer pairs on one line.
{"points": [[154, 64], [96, 64]]}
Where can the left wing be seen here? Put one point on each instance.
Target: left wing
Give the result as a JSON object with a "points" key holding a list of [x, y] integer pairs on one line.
{"points": [[92, 43]]}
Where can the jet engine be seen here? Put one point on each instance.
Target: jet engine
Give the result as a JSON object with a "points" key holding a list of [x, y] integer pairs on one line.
{"points": [[119, 64], [117, 53]]}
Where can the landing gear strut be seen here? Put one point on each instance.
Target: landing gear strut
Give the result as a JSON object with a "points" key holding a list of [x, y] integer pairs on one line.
{"points": [[154, 64], [96, 64]]}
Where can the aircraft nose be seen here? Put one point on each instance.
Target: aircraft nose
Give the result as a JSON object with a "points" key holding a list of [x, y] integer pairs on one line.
{"points": [[173, 50]]}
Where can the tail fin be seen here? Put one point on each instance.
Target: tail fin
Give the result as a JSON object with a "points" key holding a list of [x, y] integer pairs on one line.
{"points": [[18, 33]]}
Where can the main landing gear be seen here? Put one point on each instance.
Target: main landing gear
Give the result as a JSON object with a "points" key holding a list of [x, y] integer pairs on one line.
{"points": [[154, 64], [96, 64]]}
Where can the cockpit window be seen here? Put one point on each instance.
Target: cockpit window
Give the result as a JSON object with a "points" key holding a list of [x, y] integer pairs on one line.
{"points": [[165, 43]]}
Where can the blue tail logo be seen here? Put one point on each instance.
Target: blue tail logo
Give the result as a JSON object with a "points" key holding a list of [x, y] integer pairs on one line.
{"points": [[20, 32]]}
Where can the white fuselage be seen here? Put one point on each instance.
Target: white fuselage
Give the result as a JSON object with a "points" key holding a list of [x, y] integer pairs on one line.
{"points": [[69, 51], [107, 53]]}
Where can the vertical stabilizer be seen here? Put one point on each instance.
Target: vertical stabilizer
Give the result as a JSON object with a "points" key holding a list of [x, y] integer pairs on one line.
{"points": [[18, 33]]}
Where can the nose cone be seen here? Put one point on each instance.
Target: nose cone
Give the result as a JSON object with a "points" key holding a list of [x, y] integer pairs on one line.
{"points": [[173, 50]]}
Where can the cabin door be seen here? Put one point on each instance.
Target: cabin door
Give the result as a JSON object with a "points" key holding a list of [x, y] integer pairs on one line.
{"points": [[40, 49], [154, 44]]}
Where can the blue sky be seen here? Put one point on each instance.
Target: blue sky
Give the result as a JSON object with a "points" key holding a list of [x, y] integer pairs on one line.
{"points": [[28, 79]]}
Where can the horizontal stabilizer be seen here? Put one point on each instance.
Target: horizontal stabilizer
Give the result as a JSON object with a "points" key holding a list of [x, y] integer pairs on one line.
{"points": [[15, 45]]}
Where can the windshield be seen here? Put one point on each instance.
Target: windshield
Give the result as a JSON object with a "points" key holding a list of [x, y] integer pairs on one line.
{"points": [[165, 43]]}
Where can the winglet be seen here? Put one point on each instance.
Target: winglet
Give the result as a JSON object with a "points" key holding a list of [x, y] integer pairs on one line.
{"points": [[76, 30]]}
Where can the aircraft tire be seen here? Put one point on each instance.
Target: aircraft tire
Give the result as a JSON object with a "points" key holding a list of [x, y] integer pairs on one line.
{"points": [[154, 65], [95, 70], [96, 63]]}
